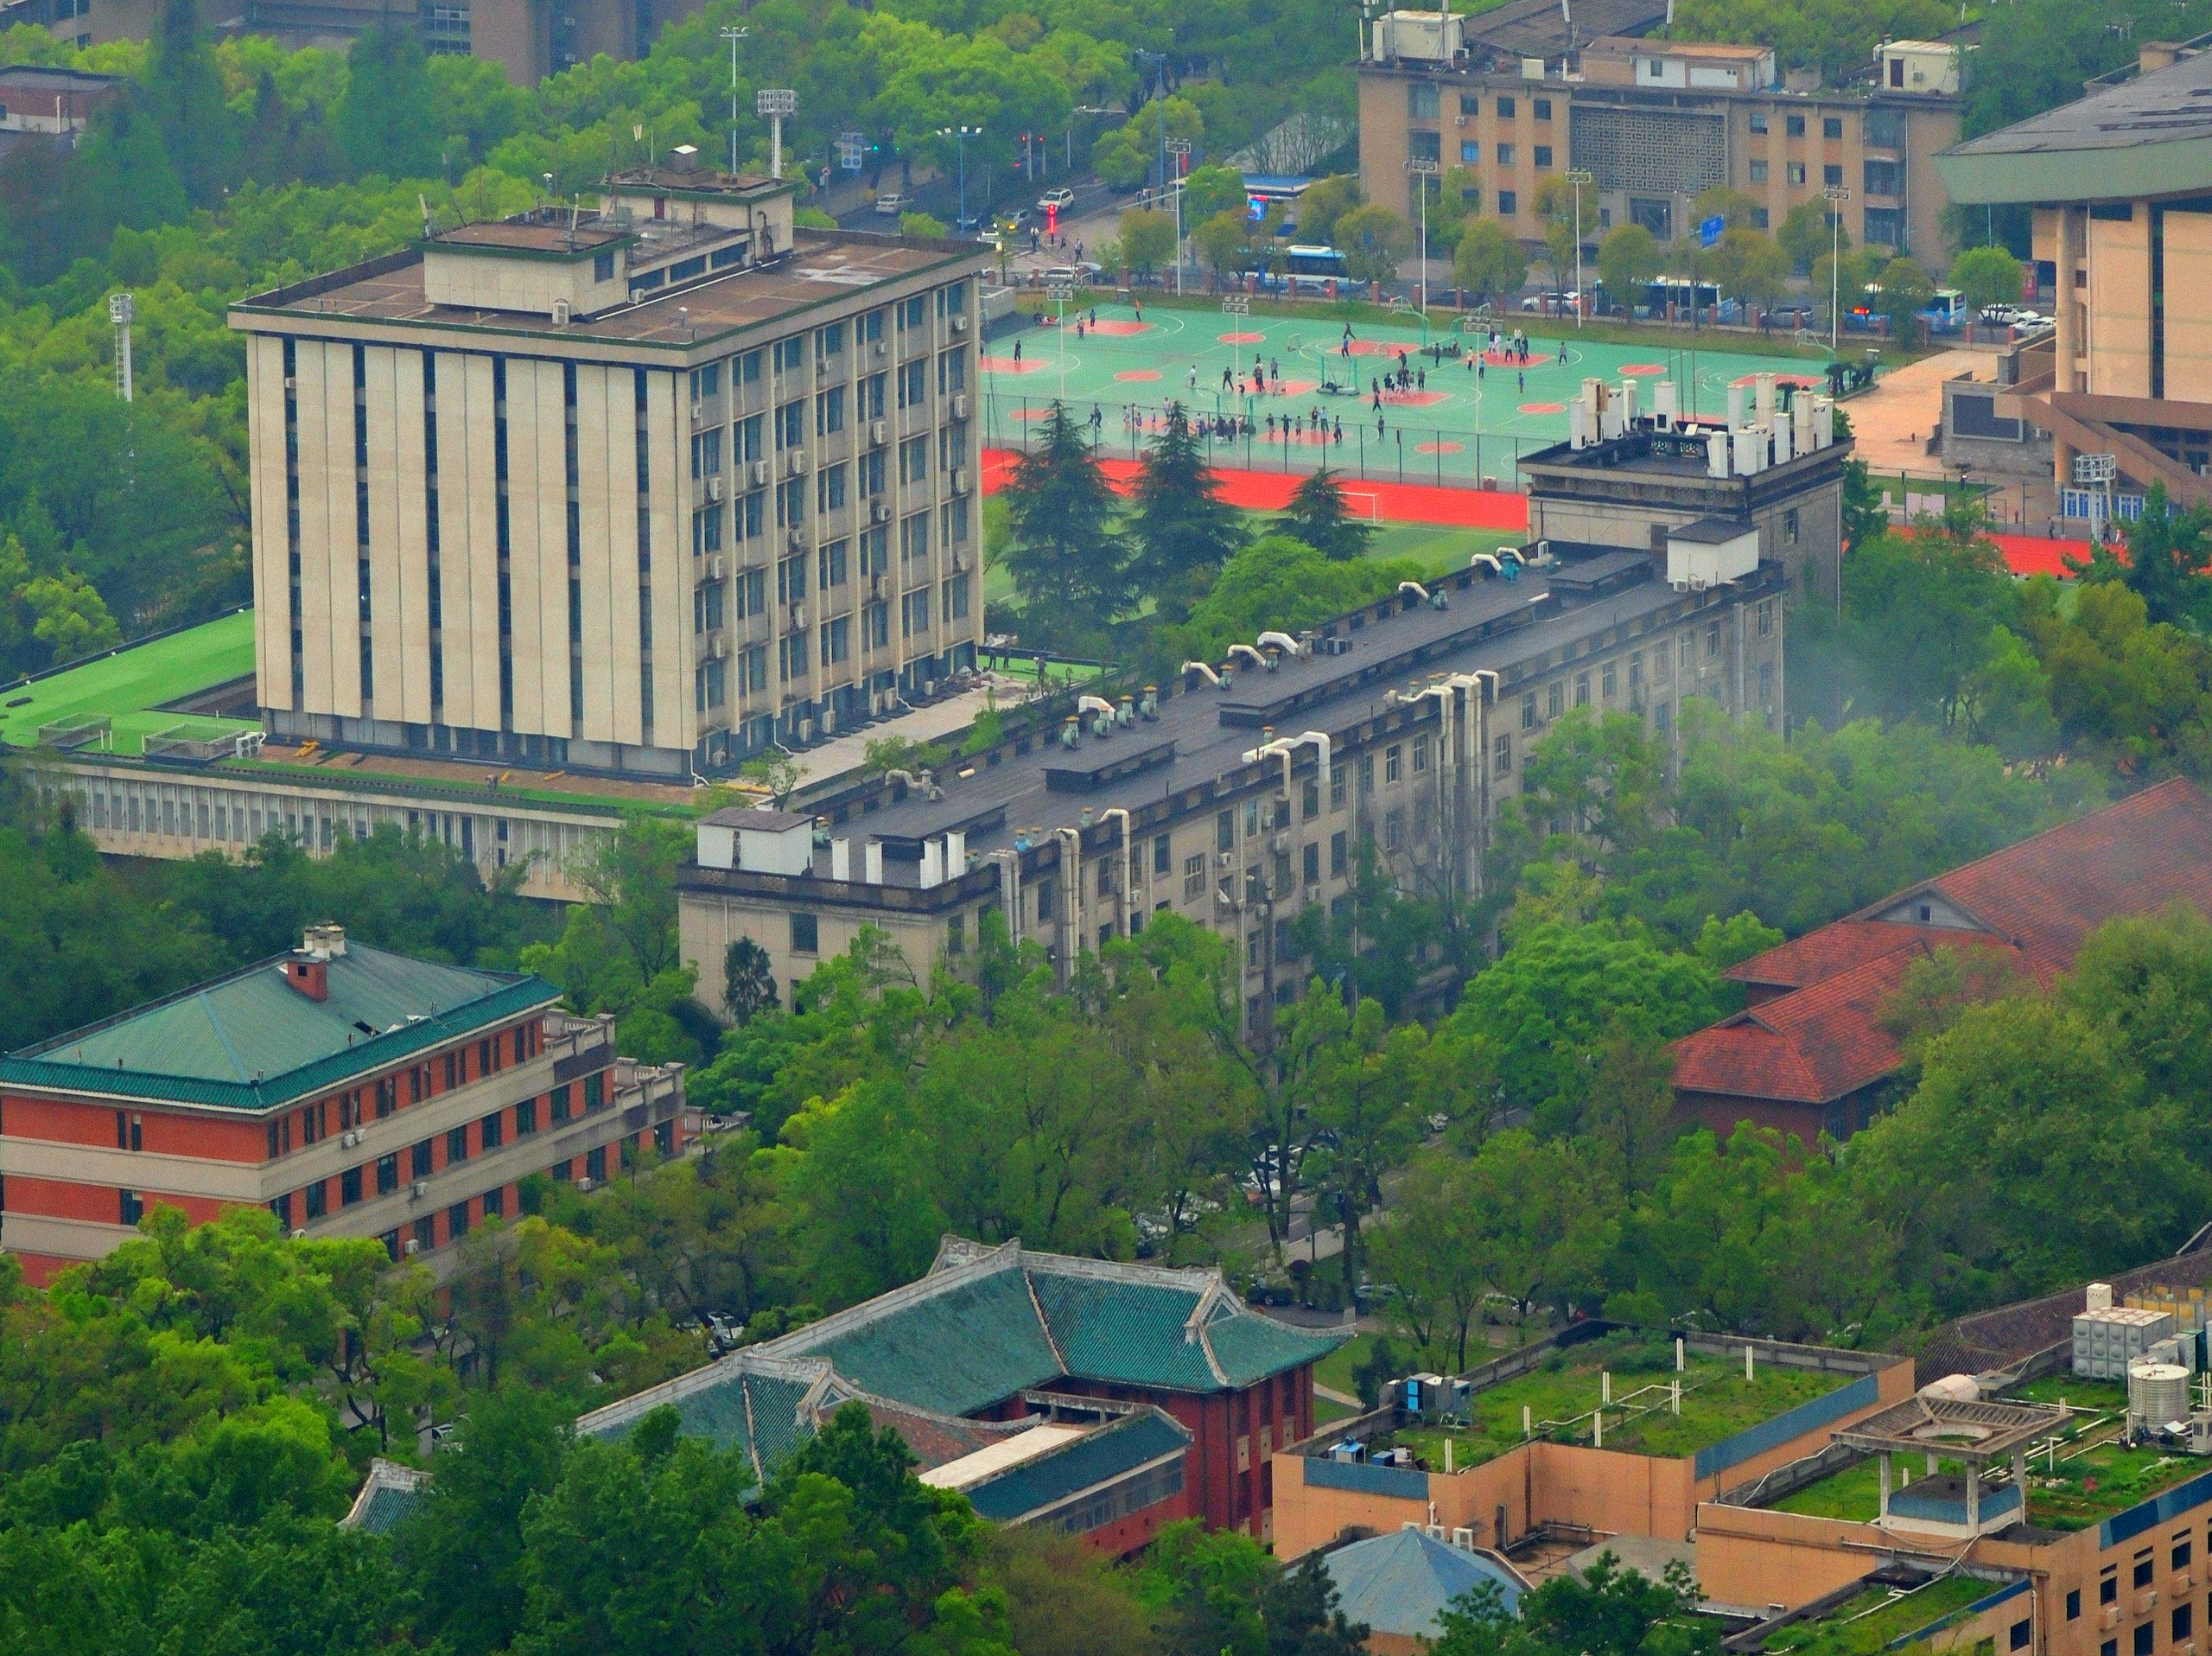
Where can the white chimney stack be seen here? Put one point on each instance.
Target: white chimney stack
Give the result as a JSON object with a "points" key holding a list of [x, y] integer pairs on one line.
{"points": [[932, 863], [1663, 398], [841, 859], [956, 855], [1765, 393], [1739, 396], [871, 860], [1716, 454]]}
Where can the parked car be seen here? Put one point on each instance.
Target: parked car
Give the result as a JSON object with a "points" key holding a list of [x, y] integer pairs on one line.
{"points": [[1059, 201], [2000, 315], [1073, 276], [890, 204]]}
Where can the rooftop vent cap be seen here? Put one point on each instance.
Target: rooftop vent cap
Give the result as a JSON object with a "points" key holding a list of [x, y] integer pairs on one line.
{"points": [[324, 941]]}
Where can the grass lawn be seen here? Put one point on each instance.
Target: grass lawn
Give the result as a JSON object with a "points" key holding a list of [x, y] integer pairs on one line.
{"points": [[1560, 1396], [128, 685], [1872, 1619]]}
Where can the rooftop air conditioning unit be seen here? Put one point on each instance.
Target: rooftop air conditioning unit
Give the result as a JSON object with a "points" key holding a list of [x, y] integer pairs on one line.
{"points": [[715, 487], [879, 511], [959, 480], [960, 324], [760, 473], [420, 1187], [960, 406], [877, 432], [796, 464]]}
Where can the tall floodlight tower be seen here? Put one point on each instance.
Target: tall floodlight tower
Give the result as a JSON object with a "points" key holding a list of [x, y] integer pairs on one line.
{"points": [[733, 35], [775, 103]]}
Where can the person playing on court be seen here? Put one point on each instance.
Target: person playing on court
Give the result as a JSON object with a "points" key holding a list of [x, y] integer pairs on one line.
{"points": [[1017, 350]]}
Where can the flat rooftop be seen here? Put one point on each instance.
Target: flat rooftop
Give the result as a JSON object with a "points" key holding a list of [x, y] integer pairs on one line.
{"points": [[130, 686], [2091, 1478], [1562, 1397], [2149, 136], [1879, 1615], [533, 235], [1203, 734], [822, 267]]}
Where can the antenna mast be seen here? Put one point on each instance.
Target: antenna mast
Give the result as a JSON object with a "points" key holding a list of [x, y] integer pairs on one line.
{"points": [[122, 308], [775, 103]]}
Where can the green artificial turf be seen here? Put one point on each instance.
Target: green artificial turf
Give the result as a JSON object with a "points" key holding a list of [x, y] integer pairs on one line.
{"points": [[130, 686], [1871, 1620]]}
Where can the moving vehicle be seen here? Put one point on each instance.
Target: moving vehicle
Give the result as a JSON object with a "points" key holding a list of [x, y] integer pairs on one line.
{"points": [[1059, 200], [890, 204], [1315, 261]]}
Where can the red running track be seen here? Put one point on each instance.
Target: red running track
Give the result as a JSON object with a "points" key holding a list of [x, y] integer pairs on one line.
{"points": [[1464, 508], [1258, 490]]}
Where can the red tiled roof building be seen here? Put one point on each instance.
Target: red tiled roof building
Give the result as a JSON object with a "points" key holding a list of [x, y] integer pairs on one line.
{"points": [[1809, 1054]]}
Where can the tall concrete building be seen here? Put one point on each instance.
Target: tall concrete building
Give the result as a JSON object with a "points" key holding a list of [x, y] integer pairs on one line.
{"points": [[2119, 186], [1654, 123], [637, 489]]}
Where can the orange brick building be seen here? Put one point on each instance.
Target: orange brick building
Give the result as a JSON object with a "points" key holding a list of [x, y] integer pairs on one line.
{"points": [[353, 1092]]}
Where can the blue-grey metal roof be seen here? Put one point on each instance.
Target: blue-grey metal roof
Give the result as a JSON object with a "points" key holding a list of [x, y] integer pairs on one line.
{"points": [[1098, 1457], [1401, 1582]]}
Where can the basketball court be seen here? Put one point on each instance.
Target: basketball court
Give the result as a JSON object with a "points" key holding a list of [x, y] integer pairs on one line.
{"points": [[1461, 420]]}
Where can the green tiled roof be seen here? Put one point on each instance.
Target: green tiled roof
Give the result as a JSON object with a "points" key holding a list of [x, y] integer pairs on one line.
{"points": [[1249, 1347], [1127, 1332], [955, 1350], [1089, 1461], [250, 1041]]}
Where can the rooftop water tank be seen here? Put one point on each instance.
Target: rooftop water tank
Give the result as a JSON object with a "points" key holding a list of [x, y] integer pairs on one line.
{"points": [[2157, 1394]]}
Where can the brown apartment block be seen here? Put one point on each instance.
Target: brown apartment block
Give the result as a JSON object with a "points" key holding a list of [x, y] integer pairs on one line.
{"points": [[1655, 124]]}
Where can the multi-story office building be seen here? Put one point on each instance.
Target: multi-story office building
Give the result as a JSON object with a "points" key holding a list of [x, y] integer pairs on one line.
{"points": [[1245, 794], [353, 1092], [2119, 187], [1655, 124], [637, 490]]}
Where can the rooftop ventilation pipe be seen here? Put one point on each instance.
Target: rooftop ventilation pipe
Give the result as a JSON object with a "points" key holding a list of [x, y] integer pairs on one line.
{"points": [[1286, 746], [1235, 650], [1128, 866], [1282, 641], [1413, 587], [1483, 560], [1204, 669]]}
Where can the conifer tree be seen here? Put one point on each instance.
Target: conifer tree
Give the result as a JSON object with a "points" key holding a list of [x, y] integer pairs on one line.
{"points": [[1316, 515], [1067, 559], [1182, 527]]}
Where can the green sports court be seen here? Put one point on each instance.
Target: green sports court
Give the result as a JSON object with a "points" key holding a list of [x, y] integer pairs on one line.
{"points": [[1456, 424]]}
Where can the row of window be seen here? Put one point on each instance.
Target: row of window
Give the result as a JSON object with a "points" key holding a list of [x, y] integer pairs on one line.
{"points": [[422, 1159], [1425, 103], [379, 1099], [828, 342], [432, 1229]]}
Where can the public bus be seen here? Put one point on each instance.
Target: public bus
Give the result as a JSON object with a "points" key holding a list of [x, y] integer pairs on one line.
{"points": [[1314, 261]]}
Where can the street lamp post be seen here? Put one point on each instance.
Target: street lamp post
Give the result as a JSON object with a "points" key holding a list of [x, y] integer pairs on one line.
{"points": [[733, 35], [960, 135], [1422, 171], [1579, 176], [1059, 296], [1836, 195], [1238, 305], [1180, 149]]}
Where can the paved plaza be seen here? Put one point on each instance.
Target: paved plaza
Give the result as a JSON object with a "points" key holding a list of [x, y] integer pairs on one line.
{"points": [[1459, 419]]}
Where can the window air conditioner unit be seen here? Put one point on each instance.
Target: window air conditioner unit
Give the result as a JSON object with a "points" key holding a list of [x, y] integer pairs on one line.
{"points": [[959, 480], [797, 463], [883, 347], [879, 511], [760, 473], [799, 540], [1280, 844], [561, 313], [878, 586], [420, 1187], [960, 406], [299, 1236], [960, 324], [1226, 859], [878, 431], [586, 1184], [959, 563], [1312, 893], [714, 488], [699, 412], [411, 1247], [718, 646], [350, 1137], [1458, 120], [714, 568]]}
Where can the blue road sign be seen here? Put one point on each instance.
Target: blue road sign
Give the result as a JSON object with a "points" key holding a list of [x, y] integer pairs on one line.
{"points": [[1709, 232]]}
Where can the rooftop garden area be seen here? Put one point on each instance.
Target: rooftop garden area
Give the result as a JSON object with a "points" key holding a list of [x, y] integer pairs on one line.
{"points": [[1562, 1401], [128, 688], [1875, 1618], [2080, 1478]]}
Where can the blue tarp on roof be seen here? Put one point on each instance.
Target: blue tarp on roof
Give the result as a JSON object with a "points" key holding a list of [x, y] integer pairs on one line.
{"points": [[1399, 1583]]}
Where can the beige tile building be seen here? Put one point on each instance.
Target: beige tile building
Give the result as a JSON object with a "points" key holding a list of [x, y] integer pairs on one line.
{"points": [[1656, 123], [636, 489]]}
